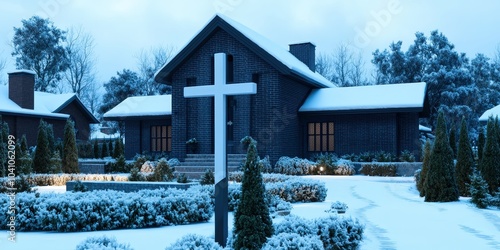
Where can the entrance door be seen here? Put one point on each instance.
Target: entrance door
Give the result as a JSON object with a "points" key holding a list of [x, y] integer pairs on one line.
{"points": [[230, 102]]}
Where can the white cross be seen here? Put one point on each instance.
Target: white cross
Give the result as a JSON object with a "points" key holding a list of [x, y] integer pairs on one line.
{"points": [[219, 91]]}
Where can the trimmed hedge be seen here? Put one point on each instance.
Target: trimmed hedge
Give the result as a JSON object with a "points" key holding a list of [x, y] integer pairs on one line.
{"points": [[335, 232], [194, 242], [61, 179], [106, 210], [293, 241], [379, 169], [102, 243], [298, 190]]}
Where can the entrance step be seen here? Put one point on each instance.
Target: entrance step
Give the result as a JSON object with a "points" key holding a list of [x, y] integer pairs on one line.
{"points": [[195, 165]]}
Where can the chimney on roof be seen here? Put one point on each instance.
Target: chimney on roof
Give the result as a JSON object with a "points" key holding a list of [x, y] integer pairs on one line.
{"points": [[306, 53], [22, 88]]}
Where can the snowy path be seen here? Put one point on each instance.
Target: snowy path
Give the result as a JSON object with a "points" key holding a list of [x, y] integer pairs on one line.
{"points": [[394, 215]]}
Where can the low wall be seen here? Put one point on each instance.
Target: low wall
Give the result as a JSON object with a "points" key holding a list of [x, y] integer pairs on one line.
{"points": [[127, 186], [402, 168], [92, 167]]}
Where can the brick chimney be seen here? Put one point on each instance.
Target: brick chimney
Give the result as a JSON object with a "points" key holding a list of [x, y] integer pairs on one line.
{"points": [[306, 53], [22, 88]]}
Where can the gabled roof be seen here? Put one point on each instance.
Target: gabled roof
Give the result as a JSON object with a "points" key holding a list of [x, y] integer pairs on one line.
{"points": [[274, 54], [45, 105], [404, 96], [141, 106], [493, 112]]}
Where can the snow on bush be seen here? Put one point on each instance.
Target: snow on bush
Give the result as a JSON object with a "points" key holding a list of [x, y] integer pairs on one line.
{"points": [[334, 232], [344, 167], [237, 176], [102, 243], [294, 166], [106, 210], [61, 179], [275, 203], [194, 242], [339, 232], [285, 241], [295, 224], [298, 190], [147, 167]]}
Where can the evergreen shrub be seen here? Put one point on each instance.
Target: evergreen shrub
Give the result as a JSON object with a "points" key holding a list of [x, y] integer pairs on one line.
{"points": [[378, 169], [102, 243], [194, 242]]}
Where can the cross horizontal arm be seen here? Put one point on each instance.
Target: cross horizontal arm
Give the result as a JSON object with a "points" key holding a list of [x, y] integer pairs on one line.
{"points": [[227, 89]]}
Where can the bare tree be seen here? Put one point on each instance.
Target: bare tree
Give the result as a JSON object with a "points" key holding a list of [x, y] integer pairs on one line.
{"points": [[357, 73], [80, 48], [91, 97], [342, 67], [342, 64], [149, 62]]}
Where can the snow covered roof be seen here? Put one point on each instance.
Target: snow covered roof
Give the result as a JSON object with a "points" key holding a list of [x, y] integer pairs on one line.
{"points": [[374, 97], [22, 71], [45, 104], [289, 63], [494, 112], [424, 128], [142, 106]]}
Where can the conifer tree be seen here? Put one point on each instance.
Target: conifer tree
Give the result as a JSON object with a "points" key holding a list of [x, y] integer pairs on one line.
{"points": [[96, 149], [41, 161], [478, 188], [104, 150], [3, 156], [489, 166], [465, 160], [24, 144], [453, 141], [118, 150], [110, 147], [425, 168], [481, 141], [50, 136], [70, 151], [252, 223], [440, 184]]}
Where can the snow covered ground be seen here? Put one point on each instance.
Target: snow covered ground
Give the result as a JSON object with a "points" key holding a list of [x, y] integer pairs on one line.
{"points": [[394, 215]]}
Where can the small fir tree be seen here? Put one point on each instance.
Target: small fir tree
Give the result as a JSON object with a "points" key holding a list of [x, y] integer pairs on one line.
{"points": [[110, 147], [491, 157], [207, 178], [478, 189], [96, 149], [55, 163], [24, 144], [465, 160], [5, 131], [252, 222], [425, 168], [118, 149], [70, 151], [481, 141], [104, 150], [41, 160], [3, 156], [50, 136], [440, 184], [453, 141]]}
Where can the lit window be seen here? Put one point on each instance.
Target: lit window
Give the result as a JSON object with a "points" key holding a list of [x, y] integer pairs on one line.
{"points": [[320, 137], [161, 138]]}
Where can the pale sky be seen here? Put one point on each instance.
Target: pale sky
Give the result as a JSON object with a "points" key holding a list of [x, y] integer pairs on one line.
{"points": [[122, 28]]}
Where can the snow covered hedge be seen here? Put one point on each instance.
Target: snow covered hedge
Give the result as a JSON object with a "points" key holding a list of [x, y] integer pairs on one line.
{"points": [[293, 241], [106, 210], [294, 166], [378, 169], [194, 242], [61, 179], [237, 176], [334, 232], [102, 243]]}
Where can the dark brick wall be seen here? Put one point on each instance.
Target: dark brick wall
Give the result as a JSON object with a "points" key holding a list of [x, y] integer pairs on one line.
{"points": [[358, 133], [24, 125], [138, 135], [194, 117], [82, 124], [21, 89], [306, 53]]}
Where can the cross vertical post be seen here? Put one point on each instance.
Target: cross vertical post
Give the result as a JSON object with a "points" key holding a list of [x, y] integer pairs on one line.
{"points": [[219, 90]]}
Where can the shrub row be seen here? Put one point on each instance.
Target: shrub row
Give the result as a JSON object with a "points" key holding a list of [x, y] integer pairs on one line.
{"points": [[295, 233], [381, 156], [106, 210], [61, 179], [298, 190], [324, 164], [237, 176], [378, 169]]}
